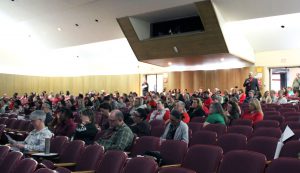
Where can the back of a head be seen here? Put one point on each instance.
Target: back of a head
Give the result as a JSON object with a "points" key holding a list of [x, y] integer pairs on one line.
{"points": [[106, 106], [38, 115], [217, 108], [175, 113]]}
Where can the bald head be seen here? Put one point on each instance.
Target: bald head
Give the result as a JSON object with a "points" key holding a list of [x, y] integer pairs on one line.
{"points": [[116, 118]]}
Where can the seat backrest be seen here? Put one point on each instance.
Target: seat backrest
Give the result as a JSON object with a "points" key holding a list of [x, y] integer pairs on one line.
{"points": [[141, 164], [71, 151], [290, 149], [245, 130], [195, 126], [89, 159], [45, 170], [243, 161], [293, 118], [280, 165], [241, 122], [10, 122], [268, 109], [10, 161], [266, 123], [203, 158], [290, 114], [264, 145], [278, 118], [220, 129], [175, 170], [293, 125], [3, 120], [296, 137], [157, 123], [3, 152], [204, 137], [26, 165], [157, 131], [198, 119], [271, 113], [57, 143], [173, 151], [268, 131], [145, 143], [283, 111], [112, 162], [229, 142]]}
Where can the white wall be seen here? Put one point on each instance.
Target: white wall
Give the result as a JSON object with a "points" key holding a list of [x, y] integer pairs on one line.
{"points": [[141, 27]]}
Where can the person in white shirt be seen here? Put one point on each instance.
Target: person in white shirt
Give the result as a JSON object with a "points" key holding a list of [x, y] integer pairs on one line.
{"points": [[35, 141], [281, 99]]}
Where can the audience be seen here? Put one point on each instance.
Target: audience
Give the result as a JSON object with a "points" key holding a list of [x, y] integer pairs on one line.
{"points": [[250, 96], [86, 130], [176, 129], [255, 112], [122, 136], [266, 98]]}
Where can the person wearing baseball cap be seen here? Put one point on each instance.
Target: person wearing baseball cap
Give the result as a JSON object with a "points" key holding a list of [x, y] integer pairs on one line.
{"points": [[35, 141]]}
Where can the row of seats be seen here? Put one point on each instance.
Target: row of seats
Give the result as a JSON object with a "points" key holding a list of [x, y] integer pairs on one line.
{"points": [[198, 158]]}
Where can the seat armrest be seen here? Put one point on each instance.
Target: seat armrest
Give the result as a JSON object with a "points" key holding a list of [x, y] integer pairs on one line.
{"points": [[170, 166], [64, 164], [268, 162]]}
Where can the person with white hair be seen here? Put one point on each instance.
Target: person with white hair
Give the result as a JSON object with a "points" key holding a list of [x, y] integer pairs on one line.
{"points": [[35, 141], [251, 83]]}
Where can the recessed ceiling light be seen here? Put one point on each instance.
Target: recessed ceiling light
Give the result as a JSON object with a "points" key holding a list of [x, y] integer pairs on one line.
{"points": [[76, 24], [169, 63], [222, 59], [96, 20], [59, 29], [282, 26]]}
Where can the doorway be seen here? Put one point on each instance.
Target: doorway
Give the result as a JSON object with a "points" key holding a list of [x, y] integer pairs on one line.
{"points": [[155, 82]]}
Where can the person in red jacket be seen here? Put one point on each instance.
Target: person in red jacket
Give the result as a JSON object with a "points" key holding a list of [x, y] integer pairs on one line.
{"points": [[242, 96], [255, 112]]}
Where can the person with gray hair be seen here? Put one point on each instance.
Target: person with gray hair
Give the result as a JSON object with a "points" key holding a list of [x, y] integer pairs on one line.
{"points": [[180, 106], [35, 141]]}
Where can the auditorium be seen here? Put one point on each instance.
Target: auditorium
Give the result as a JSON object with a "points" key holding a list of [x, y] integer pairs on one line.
{"points": [[149, 86]]}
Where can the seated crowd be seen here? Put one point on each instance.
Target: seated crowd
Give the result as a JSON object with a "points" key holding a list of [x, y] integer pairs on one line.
{"points": [[115, 121]]}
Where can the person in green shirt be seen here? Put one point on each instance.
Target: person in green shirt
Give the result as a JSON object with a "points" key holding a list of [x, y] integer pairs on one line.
{"points": [[122, 137], [216, 115]]}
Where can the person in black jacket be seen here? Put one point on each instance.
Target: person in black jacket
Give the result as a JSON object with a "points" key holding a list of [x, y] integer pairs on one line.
{"points": [[251, 83], [196, 109], [86, 131], [141, 127]]}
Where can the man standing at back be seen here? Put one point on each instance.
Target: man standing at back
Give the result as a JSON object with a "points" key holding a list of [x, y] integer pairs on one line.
{"points": [[251, 83], [122, 136]]}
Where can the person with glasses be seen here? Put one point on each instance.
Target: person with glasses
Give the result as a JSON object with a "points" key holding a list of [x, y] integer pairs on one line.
{"points": [[141, 127], [176, 129]]}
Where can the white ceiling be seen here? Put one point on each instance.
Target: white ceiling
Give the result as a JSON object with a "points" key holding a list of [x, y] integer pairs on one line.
{"points": [[31, 26]]}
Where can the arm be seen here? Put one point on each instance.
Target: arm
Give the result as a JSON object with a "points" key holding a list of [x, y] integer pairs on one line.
{"points": [[124, 137], [185, 135]]}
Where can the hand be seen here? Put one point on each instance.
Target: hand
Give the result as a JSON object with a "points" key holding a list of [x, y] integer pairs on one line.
{"points": [[20, 146]]}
